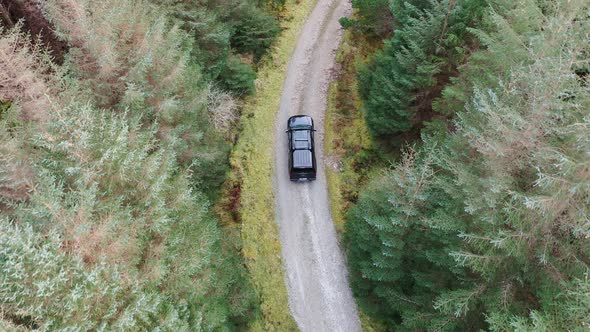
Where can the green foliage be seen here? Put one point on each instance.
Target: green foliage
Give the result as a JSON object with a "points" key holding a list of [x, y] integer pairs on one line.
{"points": [[149, 71], [486, 227], [222, 28], [253, 30], [372, 17], [275, 5], [115, 200], [237, 77], [399, 83], [398, 267], [4, 106], [50, 290], [104, 190]]}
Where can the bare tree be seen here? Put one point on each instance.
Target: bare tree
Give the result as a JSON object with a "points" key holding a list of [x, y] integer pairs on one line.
{"points": [[222, 108]]}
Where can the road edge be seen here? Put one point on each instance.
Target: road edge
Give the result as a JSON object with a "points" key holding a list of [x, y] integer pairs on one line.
{"points": [[252, 170], [335, 152]]}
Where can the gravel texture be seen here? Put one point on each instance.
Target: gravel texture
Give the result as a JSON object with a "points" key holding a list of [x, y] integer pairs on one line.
{"points": [[320, 298]]}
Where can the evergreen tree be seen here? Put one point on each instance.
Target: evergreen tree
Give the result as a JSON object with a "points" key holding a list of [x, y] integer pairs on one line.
{"points": [[505, 198], [221, 29], [373, 18], [253, 30], [144, 65], [399, 248], [115, 201], [107, 198], [237, 77], [43, 288], [398, 85]]}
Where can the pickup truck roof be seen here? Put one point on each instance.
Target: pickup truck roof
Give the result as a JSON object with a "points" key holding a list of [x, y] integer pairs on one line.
{"points": [[302, 163], [301, 139]]}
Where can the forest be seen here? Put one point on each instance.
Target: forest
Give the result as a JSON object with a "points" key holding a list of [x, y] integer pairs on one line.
{"points": [[460, 130], [116, 121], [481, 220]]}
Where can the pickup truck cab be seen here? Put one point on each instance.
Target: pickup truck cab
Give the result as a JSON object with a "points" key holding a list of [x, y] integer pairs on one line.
{"points": [[302, 163]]}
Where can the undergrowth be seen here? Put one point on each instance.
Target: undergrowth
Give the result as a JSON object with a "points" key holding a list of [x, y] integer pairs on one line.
{"points": [[348, 143]]}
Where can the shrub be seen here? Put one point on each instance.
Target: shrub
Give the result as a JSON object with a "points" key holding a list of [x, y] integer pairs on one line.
{"points": [[237, 77], [253, 30]]}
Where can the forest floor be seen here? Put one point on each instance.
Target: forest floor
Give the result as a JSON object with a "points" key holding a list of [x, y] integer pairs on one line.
{"points": [[320, 298]]}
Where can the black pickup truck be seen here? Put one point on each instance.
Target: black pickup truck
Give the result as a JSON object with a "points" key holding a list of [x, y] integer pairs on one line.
{"points": [[302, 163]]}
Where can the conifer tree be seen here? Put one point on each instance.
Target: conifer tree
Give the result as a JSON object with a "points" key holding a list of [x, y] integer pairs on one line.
{"points": [[128, 56], [399, 249], [399, 83], [374, 18], [120, 211], [43, 288], [506, 200], [101, 225]]}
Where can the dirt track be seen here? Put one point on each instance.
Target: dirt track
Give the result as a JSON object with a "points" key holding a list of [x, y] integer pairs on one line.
{"points": [[319, 295]]}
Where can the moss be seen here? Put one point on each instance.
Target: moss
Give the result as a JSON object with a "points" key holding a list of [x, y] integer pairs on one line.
{"points": [[252, 167]]}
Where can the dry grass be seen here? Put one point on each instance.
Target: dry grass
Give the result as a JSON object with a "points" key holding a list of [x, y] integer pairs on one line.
{"points": [[346, 131], [333, 174]]}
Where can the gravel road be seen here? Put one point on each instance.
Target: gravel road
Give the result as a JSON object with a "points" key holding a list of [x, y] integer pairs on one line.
{"points": [[319, 295]]}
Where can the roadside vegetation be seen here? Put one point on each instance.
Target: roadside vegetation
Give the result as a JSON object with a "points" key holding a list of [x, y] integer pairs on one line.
{"points": [[481, 222], [351, 153], [250, 195], [116, 123], [349, 147]]}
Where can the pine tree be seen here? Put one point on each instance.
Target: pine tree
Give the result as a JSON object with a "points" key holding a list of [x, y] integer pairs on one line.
{"points": [[399, 248], [44, 288], [373, 18], [221, 29], [113, 200]]}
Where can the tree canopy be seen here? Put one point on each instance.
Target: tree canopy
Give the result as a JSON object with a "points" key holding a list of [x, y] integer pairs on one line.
{"points": [[486, 226]]}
